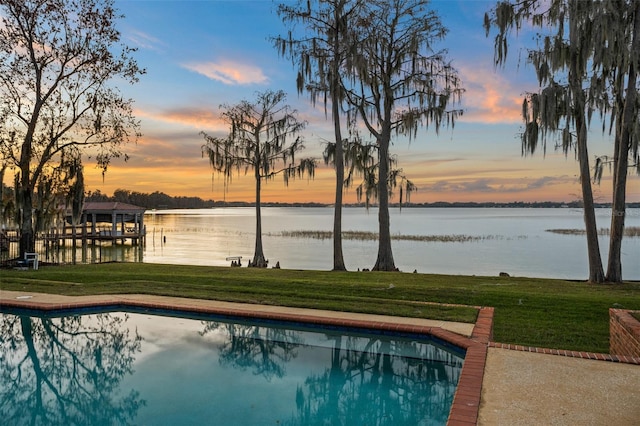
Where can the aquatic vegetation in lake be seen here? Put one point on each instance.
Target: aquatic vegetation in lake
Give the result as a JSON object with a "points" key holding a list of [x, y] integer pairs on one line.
{"points": [[373, 236], [630, 231]]}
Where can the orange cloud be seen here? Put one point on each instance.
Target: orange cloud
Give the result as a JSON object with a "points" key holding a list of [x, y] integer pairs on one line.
{"points": [[498, 188], [229, 72], [455, 178], [198, 118]]}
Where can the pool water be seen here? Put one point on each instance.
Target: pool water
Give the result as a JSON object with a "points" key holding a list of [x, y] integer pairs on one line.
{"points": [[119, 368]]}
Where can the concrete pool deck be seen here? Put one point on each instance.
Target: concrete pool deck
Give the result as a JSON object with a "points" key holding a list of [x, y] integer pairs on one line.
{"points": [[498, 385], [523, 388]]}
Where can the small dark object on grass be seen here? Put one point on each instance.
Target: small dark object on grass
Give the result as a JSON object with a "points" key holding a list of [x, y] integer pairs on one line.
{"points": [[504, 274]]}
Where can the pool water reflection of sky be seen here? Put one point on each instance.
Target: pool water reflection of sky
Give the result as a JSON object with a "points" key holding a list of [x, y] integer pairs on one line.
{"points": [[139, 368]]}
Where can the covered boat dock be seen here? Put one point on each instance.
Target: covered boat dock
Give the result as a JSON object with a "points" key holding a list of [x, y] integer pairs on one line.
{"points": [[108, 221]]}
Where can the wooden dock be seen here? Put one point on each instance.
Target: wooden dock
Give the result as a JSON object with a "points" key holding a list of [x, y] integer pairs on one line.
{"points": [[70, 234], [77, 245], [113, 223]]}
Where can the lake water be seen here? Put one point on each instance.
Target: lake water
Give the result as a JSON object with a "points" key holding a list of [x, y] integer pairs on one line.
{"points": [[512, 240]]}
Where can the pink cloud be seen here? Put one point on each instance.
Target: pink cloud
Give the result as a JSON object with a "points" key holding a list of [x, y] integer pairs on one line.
{"points": [[490, 97], [497, 184], [229, 72]]}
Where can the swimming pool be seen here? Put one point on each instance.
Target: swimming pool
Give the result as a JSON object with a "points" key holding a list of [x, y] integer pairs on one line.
{"points": [[158, 367]]}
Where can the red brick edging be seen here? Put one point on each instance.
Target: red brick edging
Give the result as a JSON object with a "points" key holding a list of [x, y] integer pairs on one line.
{"points": [[573, 354], [240, 313], [466, 402]]}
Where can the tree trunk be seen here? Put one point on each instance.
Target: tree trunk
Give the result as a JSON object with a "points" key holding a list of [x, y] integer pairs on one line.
{"points": [[596, 272], [258, 254], [335, 83], [24, 192], [25, 186], [2, 169], [338, 258], [621, 164], [618, 207], [385, 255]]}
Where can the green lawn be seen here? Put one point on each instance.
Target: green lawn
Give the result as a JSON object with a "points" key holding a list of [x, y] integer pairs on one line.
{"points": [[533, 312]]}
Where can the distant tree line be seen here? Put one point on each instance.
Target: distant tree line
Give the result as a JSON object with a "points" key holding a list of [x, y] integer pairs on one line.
{"points": [[155, 200], [160, 200], [516, 204]]}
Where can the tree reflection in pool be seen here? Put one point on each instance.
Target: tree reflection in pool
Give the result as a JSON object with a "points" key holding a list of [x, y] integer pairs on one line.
{"points": [[155, 368]]}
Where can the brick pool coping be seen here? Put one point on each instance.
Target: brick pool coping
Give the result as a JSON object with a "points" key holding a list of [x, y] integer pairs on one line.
{"points": [[466, 402], [572, 354]]}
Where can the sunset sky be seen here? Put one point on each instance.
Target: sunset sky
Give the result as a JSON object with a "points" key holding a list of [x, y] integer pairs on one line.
{"points": [[200, 54]]}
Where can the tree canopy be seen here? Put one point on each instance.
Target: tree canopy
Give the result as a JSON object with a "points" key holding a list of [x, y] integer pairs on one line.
{"points": [[58, 63], [402, 83], [259, 141], [585, 52], [321, 55]]}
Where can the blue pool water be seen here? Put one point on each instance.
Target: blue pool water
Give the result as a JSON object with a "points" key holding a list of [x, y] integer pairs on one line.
{"points": [[118, 368]]}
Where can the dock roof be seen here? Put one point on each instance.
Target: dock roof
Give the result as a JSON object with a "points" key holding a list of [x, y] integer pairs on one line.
{"points": [[111, 206]]}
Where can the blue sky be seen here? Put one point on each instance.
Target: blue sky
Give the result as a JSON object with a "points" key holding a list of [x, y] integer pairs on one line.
{"points": [[200, 54]]}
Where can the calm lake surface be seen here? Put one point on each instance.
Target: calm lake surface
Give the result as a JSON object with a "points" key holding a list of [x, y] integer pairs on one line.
{"points": [[512, 240]]}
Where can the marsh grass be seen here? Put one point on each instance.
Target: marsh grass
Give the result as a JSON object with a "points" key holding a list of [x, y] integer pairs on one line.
{"points": [[630, 231], [373, 236], [528, 311]]}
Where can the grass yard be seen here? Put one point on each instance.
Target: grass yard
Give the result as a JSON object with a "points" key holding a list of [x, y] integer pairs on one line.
{"points": [[528, 311]]}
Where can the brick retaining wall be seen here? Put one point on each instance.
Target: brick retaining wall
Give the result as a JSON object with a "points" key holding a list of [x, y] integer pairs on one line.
{"points": [[624, 333]]}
